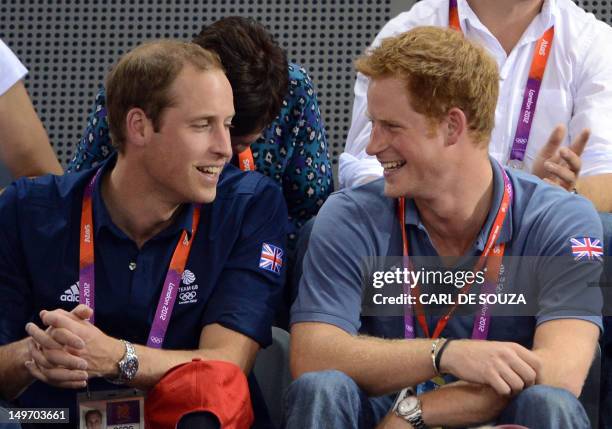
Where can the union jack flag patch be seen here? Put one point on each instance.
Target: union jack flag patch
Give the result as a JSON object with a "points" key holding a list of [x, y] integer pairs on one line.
{"points": [[271, 258], [586, 248]]}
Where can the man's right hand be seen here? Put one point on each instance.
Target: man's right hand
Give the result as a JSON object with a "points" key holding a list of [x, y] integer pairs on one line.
{"points": [[507, 367], [54, 354]]}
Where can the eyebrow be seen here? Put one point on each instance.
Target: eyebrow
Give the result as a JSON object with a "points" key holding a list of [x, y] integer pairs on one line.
{"points": [[209, 118]]}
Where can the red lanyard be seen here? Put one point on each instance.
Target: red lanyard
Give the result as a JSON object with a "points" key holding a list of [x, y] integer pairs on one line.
{"points": [[531, 92], [171, 282], [493, 267], [246, 161]]}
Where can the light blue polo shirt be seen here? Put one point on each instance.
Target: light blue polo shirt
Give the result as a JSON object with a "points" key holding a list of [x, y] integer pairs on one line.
{"points": [[361, 222]]}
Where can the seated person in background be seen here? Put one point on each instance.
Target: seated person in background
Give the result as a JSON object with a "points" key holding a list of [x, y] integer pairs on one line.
{"points": [[179, 274], [443, 196], [567, 100], [277, 118], [24, 145]]}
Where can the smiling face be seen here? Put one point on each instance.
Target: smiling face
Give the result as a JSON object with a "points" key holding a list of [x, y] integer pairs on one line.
{"points": [[185, 157], [403, 141]]}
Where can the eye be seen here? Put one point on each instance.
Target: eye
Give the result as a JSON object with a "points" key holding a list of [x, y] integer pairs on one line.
{"points": [[229, 126], [201, 125]]}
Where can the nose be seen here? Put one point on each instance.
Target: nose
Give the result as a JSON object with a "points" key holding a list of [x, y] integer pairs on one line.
{"points": [[221, 143], [377, 140]]}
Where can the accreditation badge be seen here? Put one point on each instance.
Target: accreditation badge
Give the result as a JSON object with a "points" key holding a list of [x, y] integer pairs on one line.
{"points": [[111, 409]]}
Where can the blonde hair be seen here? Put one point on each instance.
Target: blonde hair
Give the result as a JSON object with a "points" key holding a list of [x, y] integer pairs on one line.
{"points": [[441, 70]]}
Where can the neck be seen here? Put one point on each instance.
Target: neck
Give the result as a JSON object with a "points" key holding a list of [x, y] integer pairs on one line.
{"points": [[133, 205], [507, 20], [456, 214]]}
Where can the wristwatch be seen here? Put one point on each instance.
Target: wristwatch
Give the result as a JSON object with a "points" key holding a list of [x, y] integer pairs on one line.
{"points": [[128, 365], [409, 409]]}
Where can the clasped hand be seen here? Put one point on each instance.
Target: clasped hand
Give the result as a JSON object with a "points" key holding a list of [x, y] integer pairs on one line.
{"points": [[70, 350]]}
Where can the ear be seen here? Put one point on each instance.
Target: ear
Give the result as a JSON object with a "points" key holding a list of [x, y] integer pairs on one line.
{"points": [[456, 125], [138, 128]]}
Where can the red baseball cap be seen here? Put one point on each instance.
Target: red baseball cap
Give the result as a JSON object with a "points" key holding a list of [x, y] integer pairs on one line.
{"points": [[218, 387]]}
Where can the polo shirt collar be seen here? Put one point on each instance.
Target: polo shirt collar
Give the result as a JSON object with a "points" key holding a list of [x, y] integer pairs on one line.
{"points": [[411, 216], [102, 218]]}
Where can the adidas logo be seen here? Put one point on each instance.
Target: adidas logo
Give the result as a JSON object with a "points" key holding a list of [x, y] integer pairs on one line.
{"points": [[71, 294]]}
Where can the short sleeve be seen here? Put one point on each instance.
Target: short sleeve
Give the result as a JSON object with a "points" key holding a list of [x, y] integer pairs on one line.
{"points": [[15, 295], [593, 104], [11, 69], [569, 273], [331, 286], [250, 284]]}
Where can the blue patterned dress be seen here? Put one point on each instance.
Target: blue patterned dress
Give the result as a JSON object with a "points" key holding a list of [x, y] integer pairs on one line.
{"points": [[292, 150]]}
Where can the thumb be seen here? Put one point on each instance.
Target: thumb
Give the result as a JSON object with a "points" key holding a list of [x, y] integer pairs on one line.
{"points": [[554, 141]]}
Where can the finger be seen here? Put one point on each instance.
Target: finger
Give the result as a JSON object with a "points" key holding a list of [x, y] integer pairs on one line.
{"points": [[61, 319], [72, 384], [35, 371], [498, 384], [60, 375], [554, 141], [67, 338], [40, 359], [82, 311], [572, 160], [524, 371], [63, 358], [580, 142], [41, 337], [562, 175], [72, 315], [512, 379]]}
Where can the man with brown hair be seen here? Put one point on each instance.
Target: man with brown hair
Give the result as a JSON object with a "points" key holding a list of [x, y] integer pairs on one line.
{"points": [[443, 201], [175, 274]]}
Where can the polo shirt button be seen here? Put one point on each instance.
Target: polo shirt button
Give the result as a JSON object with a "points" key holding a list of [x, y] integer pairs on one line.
{"points": [[132, 266]]}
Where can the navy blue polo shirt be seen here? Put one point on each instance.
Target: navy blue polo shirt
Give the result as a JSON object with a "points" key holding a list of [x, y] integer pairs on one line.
{"points": [[223, 282], [359, 223]]}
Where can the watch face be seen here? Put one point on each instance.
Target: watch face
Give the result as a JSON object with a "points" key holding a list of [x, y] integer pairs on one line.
{"points": [[407, 405], [129, 367]]}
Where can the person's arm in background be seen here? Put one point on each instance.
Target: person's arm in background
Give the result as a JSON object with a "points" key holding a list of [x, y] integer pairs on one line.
{"points": [[24, 144], [307, 181], [95, 145], [586, 165], [592, 110], [355, 166]]}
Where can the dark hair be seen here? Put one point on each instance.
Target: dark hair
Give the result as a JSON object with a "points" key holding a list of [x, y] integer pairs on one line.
{"points": [[142, 78], [255, 66]]}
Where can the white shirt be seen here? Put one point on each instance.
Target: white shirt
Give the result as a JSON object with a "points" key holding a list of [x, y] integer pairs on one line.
{"points": [[576, 89], [11, 69]]}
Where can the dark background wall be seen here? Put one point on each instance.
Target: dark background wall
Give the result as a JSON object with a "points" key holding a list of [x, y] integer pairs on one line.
{"points": [[69, 45]]}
